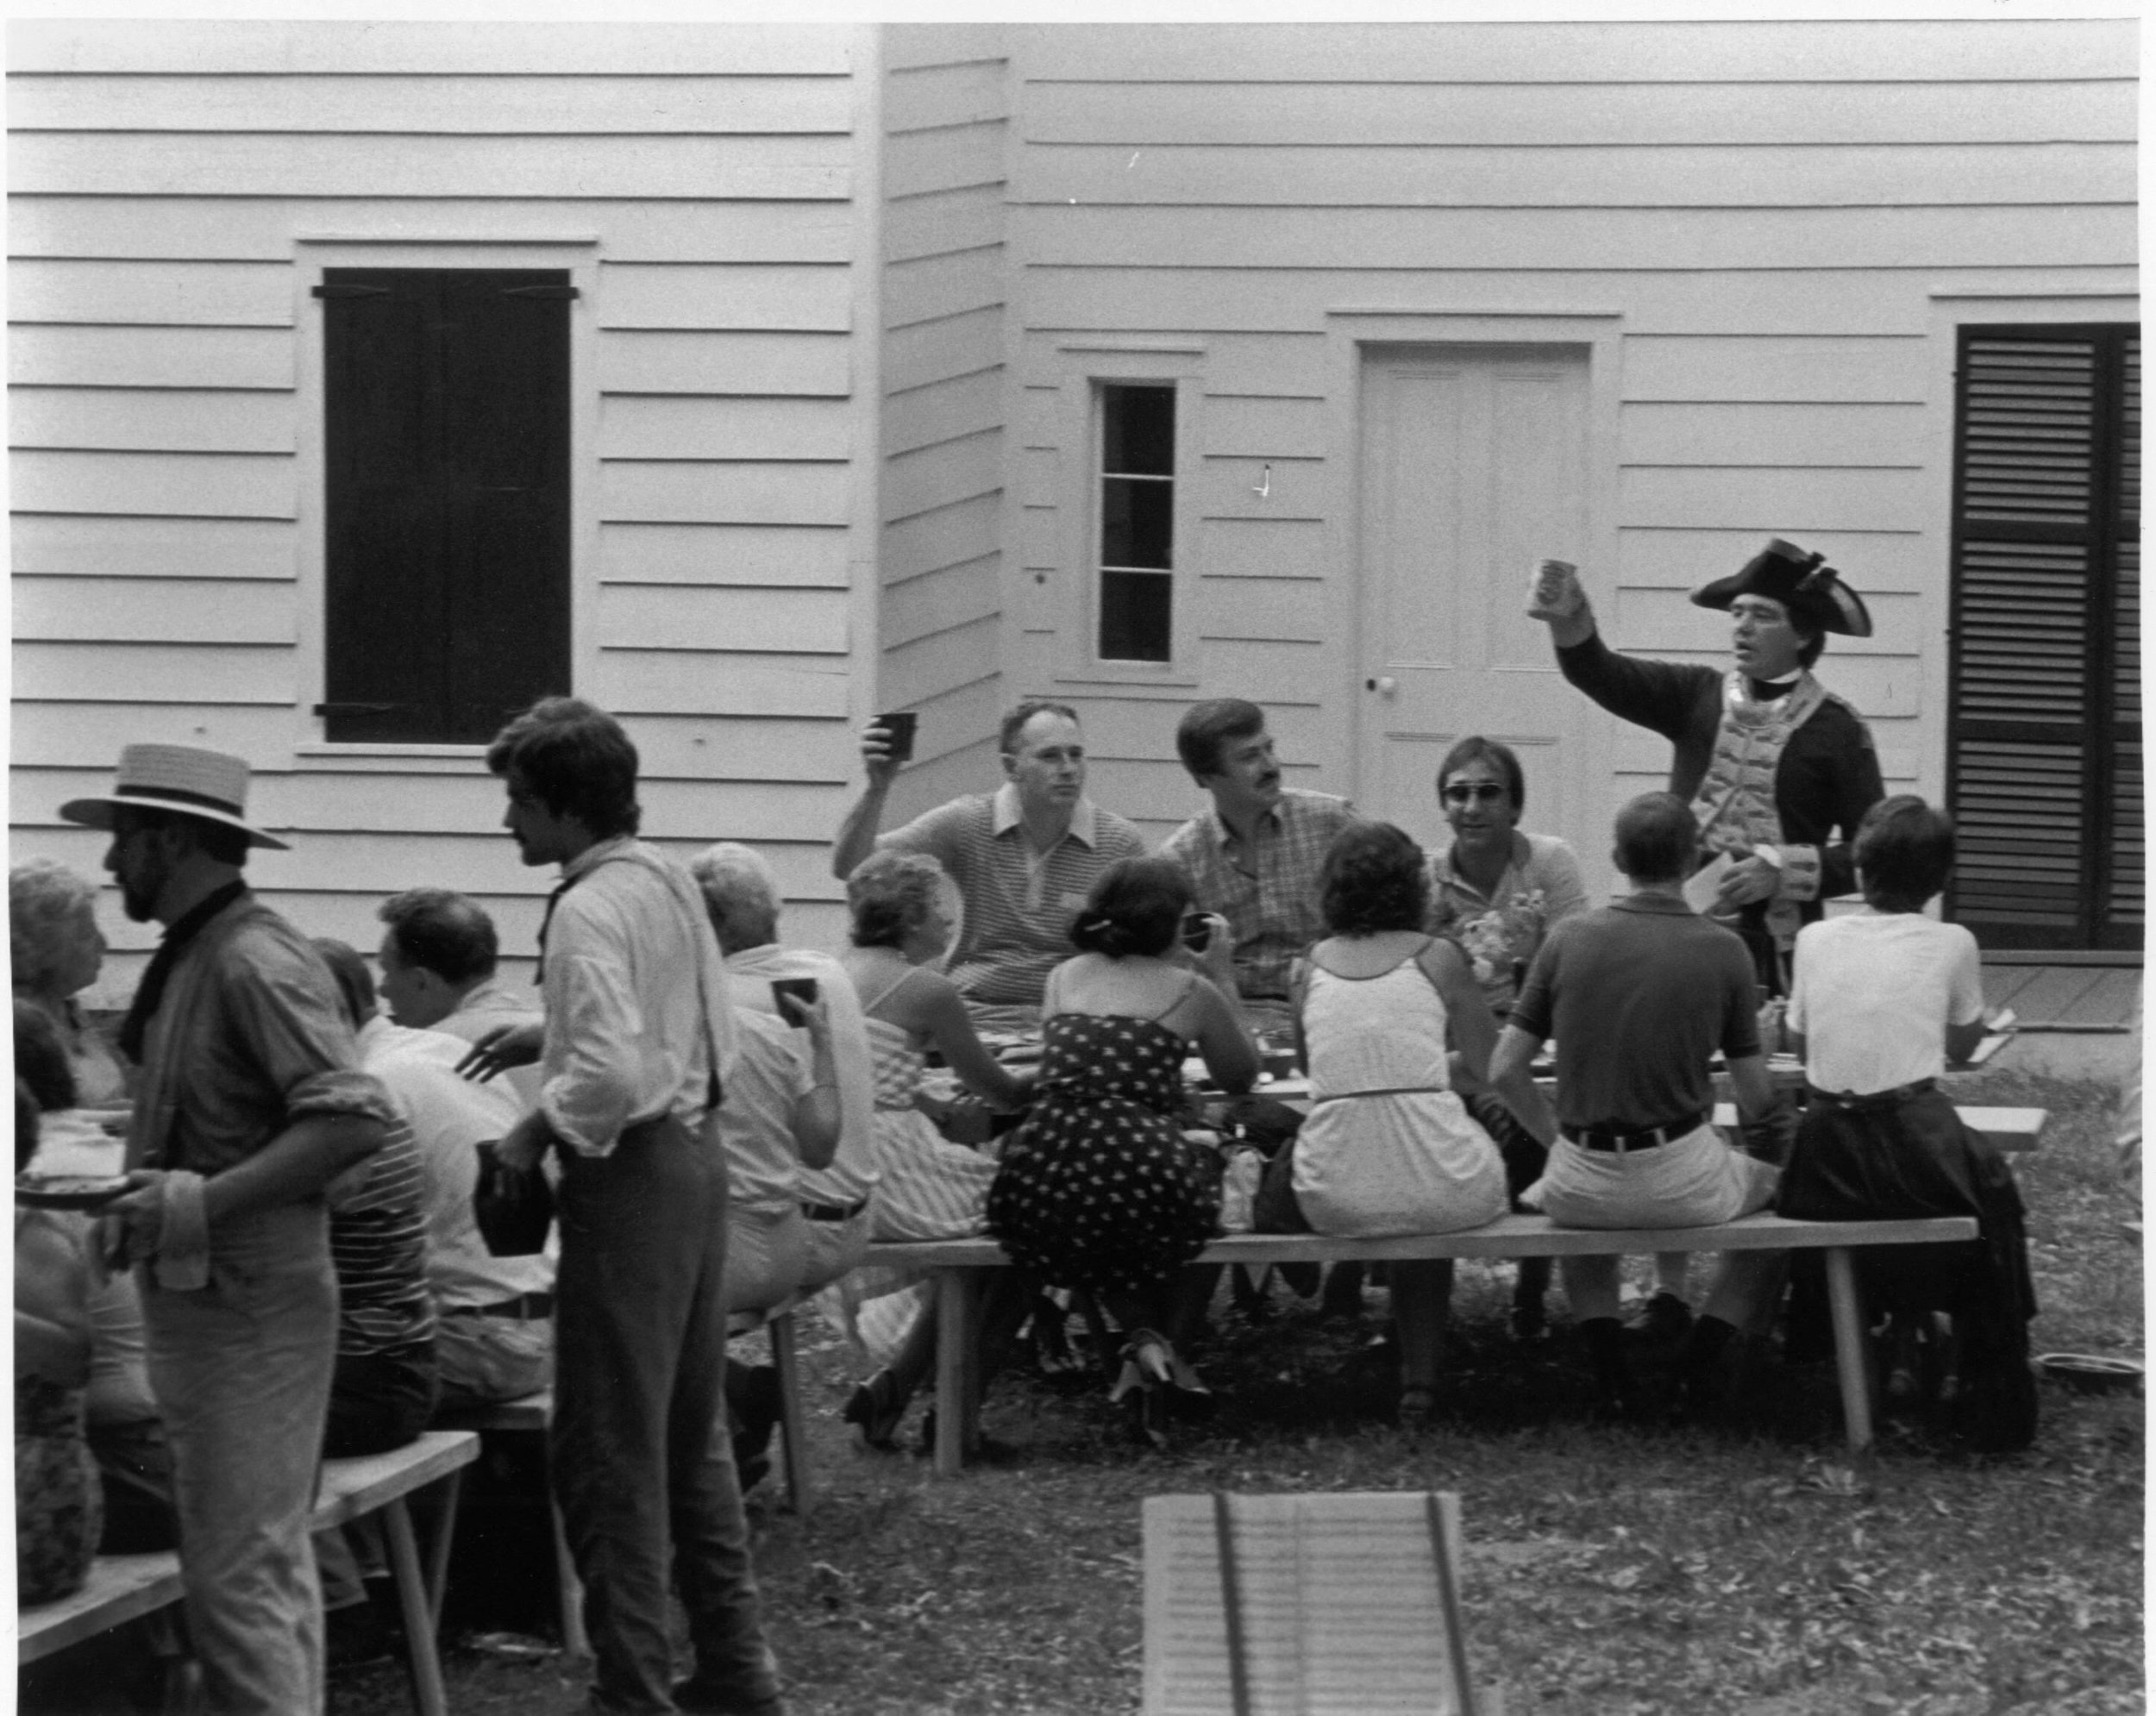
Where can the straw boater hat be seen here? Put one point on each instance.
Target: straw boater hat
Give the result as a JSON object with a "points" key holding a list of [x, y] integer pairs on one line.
{"points": [[1804, 584], [183, 778]]}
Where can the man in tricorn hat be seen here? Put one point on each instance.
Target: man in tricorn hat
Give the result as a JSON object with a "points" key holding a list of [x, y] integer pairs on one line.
{"points": [[251, 1101], [1777, 769]]}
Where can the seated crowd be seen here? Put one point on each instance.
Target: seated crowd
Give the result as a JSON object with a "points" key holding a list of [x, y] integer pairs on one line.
{"points": [[865, 1099]]}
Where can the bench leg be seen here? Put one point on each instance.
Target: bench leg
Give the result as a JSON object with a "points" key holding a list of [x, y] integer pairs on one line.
{"points": [[954, 1349], [438, 1554], [413, 1600], [1852, 1360], [791, 1436]]}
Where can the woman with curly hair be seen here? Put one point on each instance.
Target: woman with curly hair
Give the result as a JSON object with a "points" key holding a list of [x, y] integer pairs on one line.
{"points": [[56, 948], [1389, 1146], [1098, 1190]]}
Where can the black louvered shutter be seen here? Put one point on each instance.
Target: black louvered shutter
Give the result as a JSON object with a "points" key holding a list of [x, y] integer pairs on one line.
{"points": [[446, 401], [2043, 729]]}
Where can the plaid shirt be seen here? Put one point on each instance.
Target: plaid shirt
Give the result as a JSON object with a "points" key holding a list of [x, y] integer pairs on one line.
{"points": [[1266, 889]]}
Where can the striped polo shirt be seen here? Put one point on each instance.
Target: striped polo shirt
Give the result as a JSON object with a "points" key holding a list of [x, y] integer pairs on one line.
{"points": [[378, 1242], [1019, 904]]}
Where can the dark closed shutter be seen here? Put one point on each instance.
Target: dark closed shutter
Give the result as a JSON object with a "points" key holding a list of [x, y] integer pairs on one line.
{"points": [[2044, 746], [446, 479]]}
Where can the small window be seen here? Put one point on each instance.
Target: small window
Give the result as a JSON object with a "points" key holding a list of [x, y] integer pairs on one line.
{"points": [[447, 505], [1136, 540]]}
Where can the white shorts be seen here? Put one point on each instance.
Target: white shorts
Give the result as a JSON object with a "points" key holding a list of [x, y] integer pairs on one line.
{"points": [[1697, 1180]]}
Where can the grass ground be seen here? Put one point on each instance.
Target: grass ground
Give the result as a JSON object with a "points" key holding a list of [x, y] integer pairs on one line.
{"points": [[1753, 1569]]}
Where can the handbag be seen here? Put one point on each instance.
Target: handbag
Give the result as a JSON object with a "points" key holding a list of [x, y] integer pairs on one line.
{"points": [[513, 1206]]}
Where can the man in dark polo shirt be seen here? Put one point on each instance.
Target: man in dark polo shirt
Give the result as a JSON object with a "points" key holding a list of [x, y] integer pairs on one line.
{"points": [[1639, 996]]}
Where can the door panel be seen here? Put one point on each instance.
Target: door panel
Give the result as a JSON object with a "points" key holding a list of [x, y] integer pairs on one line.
{"points": [[1474, 467]]}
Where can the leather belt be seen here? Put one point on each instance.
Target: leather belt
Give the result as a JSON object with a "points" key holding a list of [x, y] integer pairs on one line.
{"points": [[525, 1308], [1619, 1141], [1848, 1100], [833, 1211]]}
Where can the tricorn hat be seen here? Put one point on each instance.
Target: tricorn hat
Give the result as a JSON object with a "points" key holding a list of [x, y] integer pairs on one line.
{"points": [[1804, 584], [182, 778]]}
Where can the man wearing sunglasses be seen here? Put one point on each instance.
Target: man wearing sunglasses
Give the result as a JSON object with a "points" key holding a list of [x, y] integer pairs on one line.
{"points": [[1778, 770]]}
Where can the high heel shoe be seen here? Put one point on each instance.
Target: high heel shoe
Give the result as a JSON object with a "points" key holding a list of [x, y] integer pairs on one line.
{"points": [[1145, 1381], [1147, 1363], [875, 1407]]}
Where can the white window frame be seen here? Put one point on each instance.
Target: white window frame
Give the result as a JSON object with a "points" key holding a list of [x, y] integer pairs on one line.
{"points": [[1089, 368]]}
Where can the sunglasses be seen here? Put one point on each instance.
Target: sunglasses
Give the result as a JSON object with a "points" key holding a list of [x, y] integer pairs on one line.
{"points": [[1474, 792]]}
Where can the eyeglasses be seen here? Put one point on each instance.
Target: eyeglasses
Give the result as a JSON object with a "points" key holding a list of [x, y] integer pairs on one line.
{"points": [[1473, 792]]}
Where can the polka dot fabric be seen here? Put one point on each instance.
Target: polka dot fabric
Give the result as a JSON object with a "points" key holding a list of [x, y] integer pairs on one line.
{"points": [[1098, 1189]]}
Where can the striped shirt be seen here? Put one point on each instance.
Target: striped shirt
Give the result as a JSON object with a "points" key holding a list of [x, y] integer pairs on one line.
{"points": [[378, 1244], [1266, 888], [1019, 904]]}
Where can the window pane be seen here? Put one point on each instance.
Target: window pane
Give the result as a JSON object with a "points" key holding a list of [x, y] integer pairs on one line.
{"points": [[1136, 522], [1138, 430], [1134, 616]]}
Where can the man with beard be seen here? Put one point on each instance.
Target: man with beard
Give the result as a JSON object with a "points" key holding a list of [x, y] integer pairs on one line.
{"points": [[251, 1101]]}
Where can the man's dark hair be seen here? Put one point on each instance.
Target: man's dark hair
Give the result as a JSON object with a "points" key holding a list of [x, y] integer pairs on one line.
{"points": [[1904, 851], [1657, 838], [1014, 722], [1374, 878], [219, 841], [41, 1059], [579, 760], [355, 983], [1209, 725], [1476, 748], [1135, 907], [442, 932]]}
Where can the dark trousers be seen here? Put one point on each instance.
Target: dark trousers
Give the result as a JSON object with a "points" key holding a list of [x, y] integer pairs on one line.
{"points": [[379, 1401], [639, 1450], [135, 1468]]}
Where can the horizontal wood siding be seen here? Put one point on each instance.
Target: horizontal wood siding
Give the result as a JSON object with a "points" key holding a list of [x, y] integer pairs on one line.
{"points": [[162, 175], [1764, 209], [945, 277]]}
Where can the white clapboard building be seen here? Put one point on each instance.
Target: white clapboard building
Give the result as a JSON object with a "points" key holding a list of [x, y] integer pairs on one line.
{"points": [[367, 379]]}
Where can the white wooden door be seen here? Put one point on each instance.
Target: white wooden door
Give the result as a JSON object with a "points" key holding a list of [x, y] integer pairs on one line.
{"points": [[1473, 466]]}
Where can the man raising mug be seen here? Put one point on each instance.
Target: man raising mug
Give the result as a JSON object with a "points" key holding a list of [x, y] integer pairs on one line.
{"points": [[1778, 770]]}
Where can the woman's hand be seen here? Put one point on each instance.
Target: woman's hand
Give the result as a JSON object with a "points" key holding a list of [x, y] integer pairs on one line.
{"points": [[812, 1015], [502, 1048]]}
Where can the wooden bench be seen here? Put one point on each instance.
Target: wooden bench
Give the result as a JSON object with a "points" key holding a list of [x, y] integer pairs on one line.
{"points": [[956, 1264], [533, 1412], [2011, 1131], [126, 1588]]}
